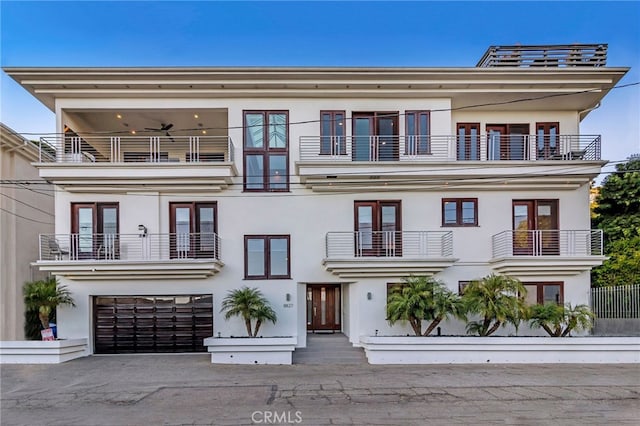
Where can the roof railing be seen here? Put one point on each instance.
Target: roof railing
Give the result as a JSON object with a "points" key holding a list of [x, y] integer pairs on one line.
{"points": [[556, 56]]}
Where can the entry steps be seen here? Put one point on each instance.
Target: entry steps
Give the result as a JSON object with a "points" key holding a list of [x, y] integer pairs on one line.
{"points": [[328, 348]]}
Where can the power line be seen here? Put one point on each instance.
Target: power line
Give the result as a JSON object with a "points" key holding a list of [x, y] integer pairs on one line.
{"points": [[25, 218], [27, 204], [399, 114]]}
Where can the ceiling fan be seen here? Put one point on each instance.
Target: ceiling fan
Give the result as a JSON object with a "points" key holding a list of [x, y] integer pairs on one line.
{"points": [[163, 128]]}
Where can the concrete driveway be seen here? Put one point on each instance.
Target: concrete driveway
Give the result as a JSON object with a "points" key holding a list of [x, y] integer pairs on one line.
{"points": [[187, 389]]}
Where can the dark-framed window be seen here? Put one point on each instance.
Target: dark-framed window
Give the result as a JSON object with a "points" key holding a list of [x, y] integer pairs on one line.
{"points": [[267, 257], [544, 292], [468, 141], [333, 139], [462, 285], [266, 151], [95, 229], [459, 212], [193, 228], [417, 132]]}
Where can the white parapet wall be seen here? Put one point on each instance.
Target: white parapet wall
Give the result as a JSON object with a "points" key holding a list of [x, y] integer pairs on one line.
{"points": [[501, 350], [251, 350], [42, 352]]}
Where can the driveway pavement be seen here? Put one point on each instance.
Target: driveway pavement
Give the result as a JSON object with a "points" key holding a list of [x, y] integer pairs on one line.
{"points": [[188, 390]]}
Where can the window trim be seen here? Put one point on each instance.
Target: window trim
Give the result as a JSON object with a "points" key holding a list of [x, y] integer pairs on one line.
{"points": [[540, 290], [459, 203], [417, 113], [267, 257], [462, 285], [265, 151]]}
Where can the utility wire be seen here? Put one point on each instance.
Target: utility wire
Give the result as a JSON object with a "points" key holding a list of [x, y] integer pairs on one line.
{"points": [[25, 218], [399, 114], [27, 204]]}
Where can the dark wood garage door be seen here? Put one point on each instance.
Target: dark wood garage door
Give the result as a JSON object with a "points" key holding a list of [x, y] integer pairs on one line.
{"points": [[147, 324]]}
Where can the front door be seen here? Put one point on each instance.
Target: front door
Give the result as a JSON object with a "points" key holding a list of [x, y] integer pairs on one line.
{"points": [[535, 224], [375, 136], [323, 307]]}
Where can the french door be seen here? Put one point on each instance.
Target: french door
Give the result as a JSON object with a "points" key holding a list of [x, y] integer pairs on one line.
{"points": [[535, 226], [378, 228], [547, 143], [375, 136], [468, 141], [507, 141], [193, 228], [94, 231], [323, 307]]}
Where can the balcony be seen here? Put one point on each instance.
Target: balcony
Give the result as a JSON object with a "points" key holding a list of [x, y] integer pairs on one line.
{"points": [[130, 256], [388, 253], [156, 161], [348, 162], [547, 252]]}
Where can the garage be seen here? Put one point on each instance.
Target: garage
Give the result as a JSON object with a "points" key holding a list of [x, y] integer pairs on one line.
{"points": [[152, 324]]}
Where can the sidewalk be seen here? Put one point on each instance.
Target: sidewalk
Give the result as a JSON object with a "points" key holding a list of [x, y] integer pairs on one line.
{"points": [[188, 389]]}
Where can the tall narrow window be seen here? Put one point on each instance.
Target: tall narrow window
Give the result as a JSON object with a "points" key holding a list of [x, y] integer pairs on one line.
{"points": [[267, 257], [332, 133], [193, 230], [547, 135], [266, 151], [94, 231], [468, 141], [417, 133]]}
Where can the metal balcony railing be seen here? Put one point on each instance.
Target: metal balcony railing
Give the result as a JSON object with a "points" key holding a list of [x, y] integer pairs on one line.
{"points": [[558, 56], [574, 243], [391, 244], [136, 149], [129, 247], [482, 147]]}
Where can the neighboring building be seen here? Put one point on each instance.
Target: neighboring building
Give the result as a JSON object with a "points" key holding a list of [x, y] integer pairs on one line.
{"points": [[319, 186], [26, 210]]}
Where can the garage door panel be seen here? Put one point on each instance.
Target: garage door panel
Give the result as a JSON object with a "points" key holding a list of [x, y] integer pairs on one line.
{"points": [[147, 324]]}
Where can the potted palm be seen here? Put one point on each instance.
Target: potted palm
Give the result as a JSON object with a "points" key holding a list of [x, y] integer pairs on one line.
{"points": [[422, 298], [44, 296], [560, 321], [498, 300], [254, 309]]}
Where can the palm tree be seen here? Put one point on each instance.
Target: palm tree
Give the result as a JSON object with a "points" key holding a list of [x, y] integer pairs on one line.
{"points": [[498, 299], [422, 298], [44, 296], [250, 304], [558, 320]]}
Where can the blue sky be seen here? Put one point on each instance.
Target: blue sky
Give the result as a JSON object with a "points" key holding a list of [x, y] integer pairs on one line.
{"points": [[163, 33]]}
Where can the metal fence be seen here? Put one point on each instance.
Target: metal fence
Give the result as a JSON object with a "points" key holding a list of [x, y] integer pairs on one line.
{"points": [[616, 302]]}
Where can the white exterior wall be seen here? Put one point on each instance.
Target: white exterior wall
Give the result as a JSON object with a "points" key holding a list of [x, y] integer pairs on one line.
{"points": [[307, 216]]}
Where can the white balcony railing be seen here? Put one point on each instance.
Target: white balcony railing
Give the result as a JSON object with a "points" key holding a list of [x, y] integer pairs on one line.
{"points": [[129, 247], [136, 149], [485, 147], [574, 243], [390, 244]]}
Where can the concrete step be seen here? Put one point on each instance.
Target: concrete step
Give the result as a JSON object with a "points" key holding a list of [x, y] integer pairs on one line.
{"points": [[328, 349]]}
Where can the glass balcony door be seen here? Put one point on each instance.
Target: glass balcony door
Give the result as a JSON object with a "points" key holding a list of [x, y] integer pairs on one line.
{"points": [[375, 136]]}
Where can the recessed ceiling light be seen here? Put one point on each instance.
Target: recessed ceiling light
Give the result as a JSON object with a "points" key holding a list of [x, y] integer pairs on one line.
{"points": [[195, 115], [133, 132], [118, 116], [204, 132]]}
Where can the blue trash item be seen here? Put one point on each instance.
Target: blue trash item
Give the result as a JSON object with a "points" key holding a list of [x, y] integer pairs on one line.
{"points": [[54, 328]]}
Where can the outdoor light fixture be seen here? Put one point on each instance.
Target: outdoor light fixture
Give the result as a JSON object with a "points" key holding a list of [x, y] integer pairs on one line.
{"points": [[369, 295], [288, 297], [143, 230]]}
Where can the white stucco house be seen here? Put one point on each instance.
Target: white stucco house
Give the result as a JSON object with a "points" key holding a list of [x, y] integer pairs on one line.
{"points": [[319, 186]]}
